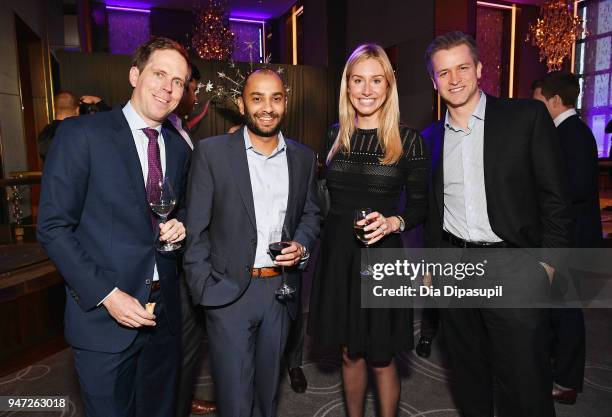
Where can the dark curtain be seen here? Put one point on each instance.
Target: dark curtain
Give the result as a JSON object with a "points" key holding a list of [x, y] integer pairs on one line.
{"points": [[312, 106]]}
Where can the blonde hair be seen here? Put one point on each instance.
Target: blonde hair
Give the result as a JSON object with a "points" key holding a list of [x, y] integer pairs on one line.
{"points": [[388, 128]]}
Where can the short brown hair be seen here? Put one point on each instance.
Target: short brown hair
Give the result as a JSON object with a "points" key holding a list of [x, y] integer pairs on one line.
{"points": [[562, 84], [65, 101], [144, 51], [450, 40]]}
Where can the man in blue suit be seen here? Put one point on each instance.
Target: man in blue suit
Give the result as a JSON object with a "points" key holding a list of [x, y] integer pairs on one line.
{"points": [[243, 186], [96, 226]]}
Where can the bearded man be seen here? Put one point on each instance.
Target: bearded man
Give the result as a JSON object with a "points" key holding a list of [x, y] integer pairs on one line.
{"points": [[243, 186]]}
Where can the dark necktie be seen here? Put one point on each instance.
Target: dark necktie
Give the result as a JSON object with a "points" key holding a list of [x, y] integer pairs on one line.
{"points": [[154, 176]]}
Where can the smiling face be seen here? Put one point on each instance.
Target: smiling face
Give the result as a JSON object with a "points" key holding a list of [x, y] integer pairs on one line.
{"points": [[158, 88], [456, 75], [367, 89], [263, 104]]}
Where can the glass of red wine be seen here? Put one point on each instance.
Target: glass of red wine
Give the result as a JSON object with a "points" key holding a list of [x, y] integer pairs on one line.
{"points": [[275, 245], [359, 223]]}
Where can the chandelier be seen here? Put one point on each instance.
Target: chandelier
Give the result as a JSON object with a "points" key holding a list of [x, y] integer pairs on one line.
{"points": [[555, 32]]}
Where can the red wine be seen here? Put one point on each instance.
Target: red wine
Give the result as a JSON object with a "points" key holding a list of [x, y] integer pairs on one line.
{"points": [[274, 249], [360, 233]]}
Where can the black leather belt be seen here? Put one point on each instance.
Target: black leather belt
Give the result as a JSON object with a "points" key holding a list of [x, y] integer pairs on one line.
{"points": [[461, 243]]}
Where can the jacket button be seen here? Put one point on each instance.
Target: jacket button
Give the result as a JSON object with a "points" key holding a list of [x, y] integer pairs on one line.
{"points": [[148, 281]]}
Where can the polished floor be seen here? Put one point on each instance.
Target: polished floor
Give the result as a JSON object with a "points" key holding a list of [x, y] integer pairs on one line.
{"points": [[425, 383]]}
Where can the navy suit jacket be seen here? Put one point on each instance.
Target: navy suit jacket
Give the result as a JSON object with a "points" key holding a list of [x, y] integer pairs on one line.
{"points": [[525, 183], [221, 228], [94, 224]]}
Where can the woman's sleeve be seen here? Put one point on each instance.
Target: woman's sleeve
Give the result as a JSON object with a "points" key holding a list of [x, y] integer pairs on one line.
{"points": [[417, 167]]}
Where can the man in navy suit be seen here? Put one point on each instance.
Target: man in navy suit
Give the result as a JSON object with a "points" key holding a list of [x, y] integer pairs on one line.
{"points": [[242, 187], [559, 92], [96, 226]]}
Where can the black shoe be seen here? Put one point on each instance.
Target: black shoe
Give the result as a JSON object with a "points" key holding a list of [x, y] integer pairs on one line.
{"points": [[423, 348], [298, 380]]}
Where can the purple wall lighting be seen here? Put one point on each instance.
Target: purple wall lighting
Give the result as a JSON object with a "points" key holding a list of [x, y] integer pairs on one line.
{"points": [[248, 32], [128, 27]]}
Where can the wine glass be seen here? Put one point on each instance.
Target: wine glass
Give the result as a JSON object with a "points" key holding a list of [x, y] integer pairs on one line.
{"points": [[275, 246], [359, 223], [162, 201]]}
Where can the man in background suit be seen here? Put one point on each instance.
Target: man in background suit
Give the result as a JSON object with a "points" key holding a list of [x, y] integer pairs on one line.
{"points": [[559, 92], [192, 316], [96, 226], [242, 187], [497, 183], [65, 104]]}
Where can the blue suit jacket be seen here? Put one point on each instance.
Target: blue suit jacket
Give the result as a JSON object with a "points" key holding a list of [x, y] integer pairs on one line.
{"points": [[94, 224], [221, 228]]}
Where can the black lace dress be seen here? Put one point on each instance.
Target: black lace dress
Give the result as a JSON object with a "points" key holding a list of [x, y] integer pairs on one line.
{"points": [[360, 180]]}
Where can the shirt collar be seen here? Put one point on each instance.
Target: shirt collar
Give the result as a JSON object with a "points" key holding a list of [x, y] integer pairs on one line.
{"points": [[249, 145], [561, 118], [134, 120], [479, 112]]}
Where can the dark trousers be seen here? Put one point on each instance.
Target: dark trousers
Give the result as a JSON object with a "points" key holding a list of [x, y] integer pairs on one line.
{"points": [[192, 335], [140, 381], [508, 347], [247, 340], [295, 342], [429, 320], [568, 347]]}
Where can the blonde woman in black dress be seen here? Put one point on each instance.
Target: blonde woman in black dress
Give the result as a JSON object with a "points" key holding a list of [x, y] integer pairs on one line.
{"points": [[371, 161]]}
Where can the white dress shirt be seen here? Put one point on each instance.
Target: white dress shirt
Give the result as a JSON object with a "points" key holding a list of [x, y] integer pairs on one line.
{"points": [[561, 118]]}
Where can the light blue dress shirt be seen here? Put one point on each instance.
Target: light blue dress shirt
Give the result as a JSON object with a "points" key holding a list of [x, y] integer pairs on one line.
{"points": [[270, 185], [465, 200]]}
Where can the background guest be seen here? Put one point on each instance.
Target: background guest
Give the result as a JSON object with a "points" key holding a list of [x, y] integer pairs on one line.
{"points": [[559, 92], [65, 104]]}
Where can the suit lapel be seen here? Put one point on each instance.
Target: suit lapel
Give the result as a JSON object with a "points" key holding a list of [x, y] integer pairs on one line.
{"points": [[124, 141], [172, 155], [240, 170], [492, 137], [292, 167], [437, 156]]}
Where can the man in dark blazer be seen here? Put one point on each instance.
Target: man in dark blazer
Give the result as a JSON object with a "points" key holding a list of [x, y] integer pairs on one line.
{"points": [[559, 92], [243, 187], [96, 226], [497, 182]]}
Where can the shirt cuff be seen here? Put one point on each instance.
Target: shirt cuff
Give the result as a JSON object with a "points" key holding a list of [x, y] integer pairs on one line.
{"points": [[100, 303]]}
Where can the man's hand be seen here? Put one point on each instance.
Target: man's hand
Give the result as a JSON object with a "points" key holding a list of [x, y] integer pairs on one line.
{"points": [[550, 271], [127, 310], [172, 231], [291, 255]]}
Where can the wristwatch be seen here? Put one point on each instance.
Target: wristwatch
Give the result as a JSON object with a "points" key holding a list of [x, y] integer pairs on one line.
{"points": [[305, 253]]}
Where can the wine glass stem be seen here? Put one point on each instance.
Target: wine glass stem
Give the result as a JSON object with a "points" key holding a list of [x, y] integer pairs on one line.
{"points": [[367, 257]]}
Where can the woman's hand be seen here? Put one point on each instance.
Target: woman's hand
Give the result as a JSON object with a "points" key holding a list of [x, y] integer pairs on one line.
{"points": [[379, 226]]}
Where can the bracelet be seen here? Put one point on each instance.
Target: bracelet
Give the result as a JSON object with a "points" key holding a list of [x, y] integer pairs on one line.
{"points": [[402, 225]]}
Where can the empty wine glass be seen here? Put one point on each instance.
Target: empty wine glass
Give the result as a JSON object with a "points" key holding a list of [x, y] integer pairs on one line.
{"points": [[275, 246], [162, 201], [359, 223]]}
